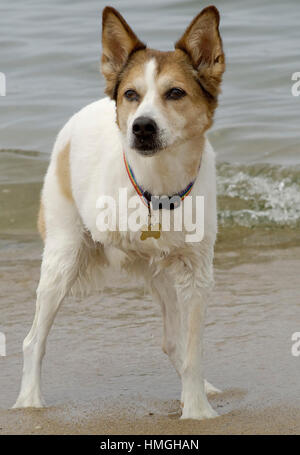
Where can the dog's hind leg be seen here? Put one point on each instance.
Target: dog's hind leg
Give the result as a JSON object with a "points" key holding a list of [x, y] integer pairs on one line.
{"points": [[210, 389], [165, 294]]}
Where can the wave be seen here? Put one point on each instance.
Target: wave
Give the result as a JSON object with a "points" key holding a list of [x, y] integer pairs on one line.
{"points": [[261, 195], [258, 195]]}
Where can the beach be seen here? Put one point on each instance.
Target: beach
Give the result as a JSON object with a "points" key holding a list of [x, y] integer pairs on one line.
{"points": [[111, 376], [104, 371]]}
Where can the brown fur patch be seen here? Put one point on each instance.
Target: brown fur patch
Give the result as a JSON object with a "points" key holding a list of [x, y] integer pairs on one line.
{"points": [[178, 66], [203, 43], [173, 68], [63, 172], [41, 222], [118, 43], [196, 66]]}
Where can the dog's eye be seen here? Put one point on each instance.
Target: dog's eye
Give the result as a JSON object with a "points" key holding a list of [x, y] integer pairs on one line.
{"points": [[131, 95], [175, 93]]}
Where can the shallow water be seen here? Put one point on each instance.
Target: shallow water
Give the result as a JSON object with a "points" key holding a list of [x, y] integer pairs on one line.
{"points": [[109, 345], [50, 54]]}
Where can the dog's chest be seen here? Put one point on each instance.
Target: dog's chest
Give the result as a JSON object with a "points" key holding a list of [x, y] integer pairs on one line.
{"points": [[114, 215], [146, 238]]}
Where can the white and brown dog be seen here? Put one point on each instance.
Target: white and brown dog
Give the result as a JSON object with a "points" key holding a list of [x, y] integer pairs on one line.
{"points": [[147, 136]]}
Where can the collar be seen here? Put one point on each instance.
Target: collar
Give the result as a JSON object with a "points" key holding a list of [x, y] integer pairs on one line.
{"points": [[147, 197]]}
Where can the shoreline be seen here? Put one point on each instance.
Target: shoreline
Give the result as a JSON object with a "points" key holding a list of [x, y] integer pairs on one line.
{"points": [[102, 384], [121, 420]]}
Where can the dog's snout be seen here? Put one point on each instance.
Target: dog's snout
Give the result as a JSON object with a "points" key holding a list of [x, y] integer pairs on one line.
{"points": [[144, 127], [145, 134]]}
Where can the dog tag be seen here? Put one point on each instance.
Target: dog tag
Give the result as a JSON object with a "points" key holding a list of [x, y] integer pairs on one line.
{"points": [[151, 231]]}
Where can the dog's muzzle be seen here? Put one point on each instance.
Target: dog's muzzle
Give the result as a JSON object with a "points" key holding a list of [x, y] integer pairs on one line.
{"points": [[145, 135]]}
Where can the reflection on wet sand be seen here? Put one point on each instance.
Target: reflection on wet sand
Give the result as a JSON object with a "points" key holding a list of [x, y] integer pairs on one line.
{"points": [[111, 375]]}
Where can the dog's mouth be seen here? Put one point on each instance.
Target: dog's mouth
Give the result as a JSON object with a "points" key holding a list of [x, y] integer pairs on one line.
{"points": [[147, 148]]}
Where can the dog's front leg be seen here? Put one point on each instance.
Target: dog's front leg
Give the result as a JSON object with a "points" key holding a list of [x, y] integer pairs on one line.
{"points": [[192, 306], [183, 312]]}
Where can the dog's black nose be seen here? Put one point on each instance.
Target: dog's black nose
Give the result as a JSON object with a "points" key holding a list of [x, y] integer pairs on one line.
{"points": [[144, 127]]}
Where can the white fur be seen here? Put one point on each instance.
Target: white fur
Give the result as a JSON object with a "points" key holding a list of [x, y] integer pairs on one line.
{"points": [[149, 108], [178, 274]]}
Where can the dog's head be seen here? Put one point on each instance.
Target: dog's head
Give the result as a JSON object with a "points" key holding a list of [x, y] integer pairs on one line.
{"points": [[163, 98]]}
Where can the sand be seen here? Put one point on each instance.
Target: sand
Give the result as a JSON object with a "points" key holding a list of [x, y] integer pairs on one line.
{"points": [[100, 383], [118, 421]]}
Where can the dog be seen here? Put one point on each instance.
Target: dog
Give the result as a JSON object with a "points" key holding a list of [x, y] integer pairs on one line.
{"points": [[147, 136]]}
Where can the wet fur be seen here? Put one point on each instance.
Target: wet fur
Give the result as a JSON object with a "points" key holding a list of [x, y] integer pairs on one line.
{"points": [[87, 161]]}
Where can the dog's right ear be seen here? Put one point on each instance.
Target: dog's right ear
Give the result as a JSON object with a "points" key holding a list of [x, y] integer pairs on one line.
{"points": [[118, 43]]}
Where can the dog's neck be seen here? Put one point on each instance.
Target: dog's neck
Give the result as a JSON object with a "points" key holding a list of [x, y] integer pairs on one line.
{"points": [[170, 170]]}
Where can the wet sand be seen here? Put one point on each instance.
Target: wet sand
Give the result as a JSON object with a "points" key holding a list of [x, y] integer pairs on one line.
{"points": [[272, 420], [111, 377]]}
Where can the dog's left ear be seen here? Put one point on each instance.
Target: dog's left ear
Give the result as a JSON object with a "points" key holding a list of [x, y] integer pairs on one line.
{"points": [[118, 43], [203, 43]]}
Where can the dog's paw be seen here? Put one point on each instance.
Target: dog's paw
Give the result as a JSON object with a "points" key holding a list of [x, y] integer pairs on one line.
{"points": [[29, 402], [210, 389], [204, 413]]}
